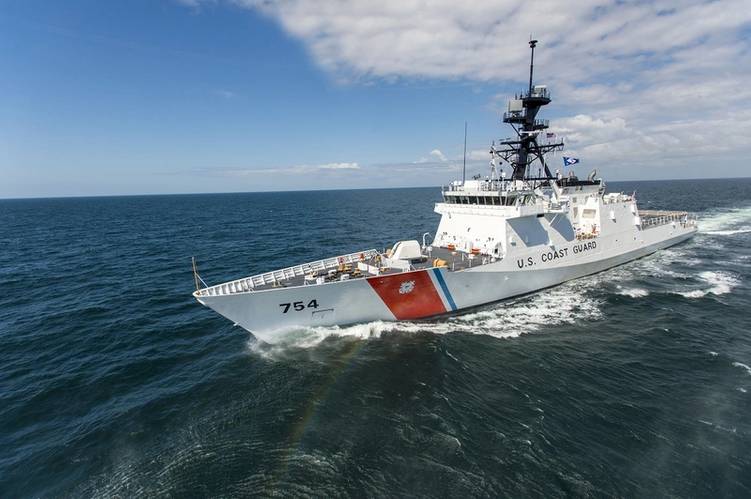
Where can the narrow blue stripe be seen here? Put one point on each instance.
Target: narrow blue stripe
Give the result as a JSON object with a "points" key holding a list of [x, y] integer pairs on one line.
{"points": [[445, 288]]}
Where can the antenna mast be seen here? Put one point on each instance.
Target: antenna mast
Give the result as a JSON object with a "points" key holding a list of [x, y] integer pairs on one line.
{"points": [[464, 162], [523, 149], [532, 45]]}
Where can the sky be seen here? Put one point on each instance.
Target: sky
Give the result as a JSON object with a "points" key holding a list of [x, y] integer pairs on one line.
{"points": [[179, 96]]}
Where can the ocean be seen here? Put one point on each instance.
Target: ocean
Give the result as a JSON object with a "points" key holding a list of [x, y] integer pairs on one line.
{"points": [[115, 382]]}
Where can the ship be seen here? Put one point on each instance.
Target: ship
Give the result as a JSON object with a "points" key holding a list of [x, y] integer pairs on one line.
{"points": [[498, 237]]}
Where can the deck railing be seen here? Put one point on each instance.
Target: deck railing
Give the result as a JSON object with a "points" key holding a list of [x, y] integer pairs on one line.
{"points": [[655, 219], [278, 276]]}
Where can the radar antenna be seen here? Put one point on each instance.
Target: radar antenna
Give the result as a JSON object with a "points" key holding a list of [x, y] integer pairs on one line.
{"points": [[521, 151]]}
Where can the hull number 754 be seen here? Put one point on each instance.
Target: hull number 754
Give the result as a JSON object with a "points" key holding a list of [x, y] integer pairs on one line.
{"points": [[298, 306]]}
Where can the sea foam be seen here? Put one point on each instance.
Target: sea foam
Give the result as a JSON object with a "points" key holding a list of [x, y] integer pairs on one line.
{"points": [[633, 292], [719, 282], [730, 232], [726, 223]]}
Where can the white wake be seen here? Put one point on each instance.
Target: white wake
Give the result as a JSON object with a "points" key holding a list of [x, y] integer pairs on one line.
{"points": [[717, 283], [726, 222], [564, 304]]}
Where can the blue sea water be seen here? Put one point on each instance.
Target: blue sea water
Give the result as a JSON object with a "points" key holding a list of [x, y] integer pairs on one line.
{"points": [[115, 382]]}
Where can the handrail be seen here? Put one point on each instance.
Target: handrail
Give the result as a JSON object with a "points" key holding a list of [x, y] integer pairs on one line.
{"points": [[666, 218], [247, 284]]}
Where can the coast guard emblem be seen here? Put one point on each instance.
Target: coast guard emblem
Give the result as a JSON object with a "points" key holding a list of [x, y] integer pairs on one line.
{"points": [[406, 287]]}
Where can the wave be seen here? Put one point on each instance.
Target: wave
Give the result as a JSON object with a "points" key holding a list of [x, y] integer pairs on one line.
{"points": [[726, 222], [633, 292], [720, 283], [564, 304], [730, 232], [743, 366], [661, 263], [717, 426]]}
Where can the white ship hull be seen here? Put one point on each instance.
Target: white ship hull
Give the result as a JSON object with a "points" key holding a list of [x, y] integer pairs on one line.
{"points": [[433, 291]]}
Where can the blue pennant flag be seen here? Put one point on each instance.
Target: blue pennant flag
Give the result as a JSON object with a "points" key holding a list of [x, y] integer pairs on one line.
{"points": [[570, 161]]}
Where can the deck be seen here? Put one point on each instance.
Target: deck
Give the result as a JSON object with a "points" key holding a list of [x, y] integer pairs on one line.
{"points": [[656, 218], [352, 266], [371, 263]]}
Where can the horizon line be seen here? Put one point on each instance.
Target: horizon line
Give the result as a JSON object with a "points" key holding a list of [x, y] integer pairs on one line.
{"points": [[75, 196]]}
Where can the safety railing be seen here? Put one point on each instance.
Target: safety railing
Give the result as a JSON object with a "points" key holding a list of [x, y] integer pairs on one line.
{"points": [[655, 219], [275, 277]]}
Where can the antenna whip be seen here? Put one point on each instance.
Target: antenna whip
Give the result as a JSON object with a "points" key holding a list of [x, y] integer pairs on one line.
{"points": [[464, 162]]}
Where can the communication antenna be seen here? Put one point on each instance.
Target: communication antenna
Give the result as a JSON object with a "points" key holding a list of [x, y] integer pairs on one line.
{"points": [[532, 45], [464, 162]]}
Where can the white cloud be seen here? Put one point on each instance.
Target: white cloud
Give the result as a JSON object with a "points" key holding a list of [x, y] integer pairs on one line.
{"points": [[480, 40], [652, 79], [436, 153], [434, 156], [225, 94], [341, 175], [338, 166], [194, 3], [479, 154], [286, 170]]}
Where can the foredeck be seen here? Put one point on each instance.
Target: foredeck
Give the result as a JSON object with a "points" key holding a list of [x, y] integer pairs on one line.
{"points": [[352, 266]]}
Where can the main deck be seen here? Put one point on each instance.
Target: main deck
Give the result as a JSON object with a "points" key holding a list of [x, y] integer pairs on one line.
{"points": [[372, 263]]}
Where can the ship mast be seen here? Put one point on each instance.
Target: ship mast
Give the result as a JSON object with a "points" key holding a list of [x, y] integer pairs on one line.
{"points": [[521, 151]]}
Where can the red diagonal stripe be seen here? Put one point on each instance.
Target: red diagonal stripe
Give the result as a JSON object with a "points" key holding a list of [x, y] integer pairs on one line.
{"points": [[422, 301]]}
